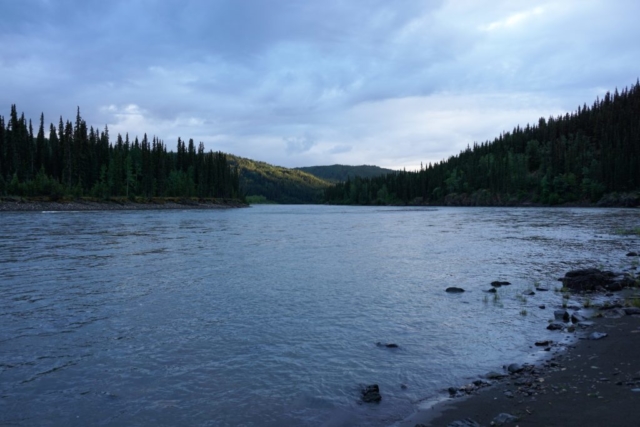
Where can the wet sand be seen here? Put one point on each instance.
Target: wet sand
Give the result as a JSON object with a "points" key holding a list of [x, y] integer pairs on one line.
{"points": [[591, 383]]}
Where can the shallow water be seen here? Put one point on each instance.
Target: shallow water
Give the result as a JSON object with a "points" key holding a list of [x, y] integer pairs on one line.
{"points": [[269, 316]]}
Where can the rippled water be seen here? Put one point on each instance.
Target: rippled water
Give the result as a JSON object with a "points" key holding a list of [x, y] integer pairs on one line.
{"points": [[269, 316]]}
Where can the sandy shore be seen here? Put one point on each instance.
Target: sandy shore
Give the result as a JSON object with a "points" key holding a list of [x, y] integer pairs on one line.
{"points": [[593, 382], [85, 205]]}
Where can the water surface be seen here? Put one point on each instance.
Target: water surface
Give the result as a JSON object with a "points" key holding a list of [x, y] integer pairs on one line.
{"points": [[269, 316]]}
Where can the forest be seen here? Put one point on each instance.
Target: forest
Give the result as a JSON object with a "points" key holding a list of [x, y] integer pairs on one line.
{"points": [[275, 184], [340, 173], [580, 157], [71, 160]]}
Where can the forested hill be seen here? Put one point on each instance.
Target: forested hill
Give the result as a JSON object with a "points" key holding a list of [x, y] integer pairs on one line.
{"points": [[73, 160], [277, 184], [340, 173], [576, 158]]}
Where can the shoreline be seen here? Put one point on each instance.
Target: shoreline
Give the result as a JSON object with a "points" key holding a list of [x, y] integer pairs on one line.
{"points": [[593, 380], [22, 205]]}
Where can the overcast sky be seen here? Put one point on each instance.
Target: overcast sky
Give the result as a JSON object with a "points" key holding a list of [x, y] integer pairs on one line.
{"points": [[306, 82]]}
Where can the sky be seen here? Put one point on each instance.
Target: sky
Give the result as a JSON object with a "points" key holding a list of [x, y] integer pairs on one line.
{"points": [[306, 82]]}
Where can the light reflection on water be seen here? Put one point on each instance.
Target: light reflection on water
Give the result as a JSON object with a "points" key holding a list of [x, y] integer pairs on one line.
{"points": [[270, 315]]}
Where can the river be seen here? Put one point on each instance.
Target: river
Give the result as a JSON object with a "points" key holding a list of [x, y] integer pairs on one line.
{"points": [[270, 316]]}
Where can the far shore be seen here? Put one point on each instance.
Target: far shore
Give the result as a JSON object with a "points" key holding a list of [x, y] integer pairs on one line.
{"points": [[8, 204]]}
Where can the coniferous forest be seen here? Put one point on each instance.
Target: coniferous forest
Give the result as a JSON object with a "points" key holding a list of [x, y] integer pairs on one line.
{"points": [[575, 158], [73, 160]]}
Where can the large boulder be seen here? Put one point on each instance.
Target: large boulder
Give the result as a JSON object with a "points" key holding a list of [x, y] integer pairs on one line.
{"points": [[588, 279]]}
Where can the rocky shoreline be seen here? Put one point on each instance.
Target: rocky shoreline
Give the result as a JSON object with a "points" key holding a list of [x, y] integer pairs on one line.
{"points": [[594, 380], [23, 205]]}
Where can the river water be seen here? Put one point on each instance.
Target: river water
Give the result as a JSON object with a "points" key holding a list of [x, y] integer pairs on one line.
{"points": [[270, 316]]}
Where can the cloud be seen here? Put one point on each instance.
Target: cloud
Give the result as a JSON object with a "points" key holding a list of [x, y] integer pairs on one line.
{"points": [[303, 83], [339, 149], [511, 21], [299, 144]]}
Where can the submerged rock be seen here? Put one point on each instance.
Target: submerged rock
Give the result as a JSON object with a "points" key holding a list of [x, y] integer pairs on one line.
{"points": [[497, 283], [454, 290], [514, 368], [371, 393], [387, 345], [491, 291], [561, 315], [632, 254], [555, 326]]}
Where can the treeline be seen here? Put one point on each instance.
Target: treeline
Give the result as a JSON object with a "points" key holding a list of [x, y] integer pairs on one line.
{"points": [[278, 184], [340, 173], [577, 157], [74, 160]]}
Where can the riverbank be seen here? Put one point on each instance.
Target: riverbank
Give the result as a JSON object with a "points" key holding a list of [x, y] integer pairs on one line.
{"points": [[36, 205], [593, 381]]}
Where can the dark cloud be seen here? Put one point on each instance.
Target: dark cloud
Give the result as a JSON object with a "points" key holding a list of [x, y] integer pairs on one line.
{"points": [[257, 77]]}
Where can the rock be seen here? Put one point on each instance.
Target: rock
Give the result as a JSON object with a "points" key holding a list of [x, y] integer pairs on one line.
{"points": [[590, 279], [371, 393], [597, 335], [529, 293], [387, 345], [509, 394], [542, 307], [494, 375], [585, 325], [632, 310], [543, 343], [561, 315], [555, 326], [620, 283], [542, 289], [503, 419], [403, 386], [452, 391], [614, 313], [492, 291], [632, 254], [454, 290], [610, 307], [482, 383], [467, 422], [514, 368], [577, 318], [497, 283]]}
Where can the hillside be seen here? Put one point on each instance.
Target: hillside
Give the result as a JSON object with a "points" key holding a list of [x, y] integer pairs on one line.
{"points": [[589, 156], [340, 173], [278, 184]]}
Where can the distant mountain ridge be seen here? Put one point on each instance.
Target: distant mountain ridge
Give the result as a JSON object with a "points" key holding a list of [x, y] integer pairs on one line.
{"points": [[340, 173], [278, 184]]}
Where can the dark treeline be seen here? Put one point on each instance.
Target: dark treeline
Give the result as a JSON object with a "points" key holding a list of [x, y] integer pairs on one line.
{"points": [[71, 159], [577, 157]]}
